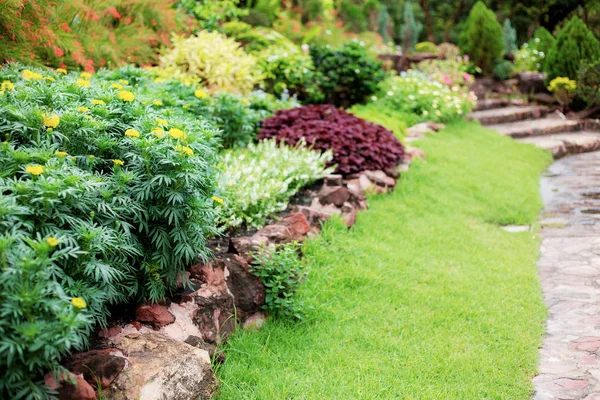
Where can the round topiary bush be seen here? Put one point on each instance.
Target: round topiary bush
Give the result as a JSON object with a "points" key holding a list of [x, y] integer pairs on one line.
{"points": [[575, 45], [482, 38], [357, 145]]}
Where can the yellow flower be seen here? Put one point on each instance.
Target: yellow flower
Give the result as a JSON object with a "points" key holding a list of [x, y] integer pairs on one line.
{"points": [[82, 109], [52, 241], [185, 150], [92, 156], [28, 74], [159, 80], [7, 85], [35, 169], [61, 154], [126, 95], [61, 71], [116, 86], [132, 133], [157, 103], [201, 94], [78, 302], [83, 82], [85, 75], [177, 133], [163, 122], [98, 102], [186, 106], [158, 132], [52, 121], [217, 199], [119, 162], [124, 82], [245, 102]]}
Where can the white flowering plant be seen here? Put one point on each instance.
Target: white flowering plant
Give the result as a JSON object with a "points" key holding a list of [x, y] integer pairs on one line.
{"points": [[415, 92], [529, 58], [258, 181]]}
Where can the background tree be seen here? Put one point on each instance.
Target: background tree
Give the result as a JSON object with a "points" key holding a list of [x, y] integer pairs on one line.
{"points": [[410, 30]]}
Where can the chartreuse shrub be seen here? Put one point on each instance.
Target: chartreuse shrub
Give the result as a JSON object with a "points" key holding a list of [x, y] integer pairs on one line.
{"points": [[345, 76], [563, 89], [415, 92], [395, 121], [218, 62], [357, 145], [211, 13], [259, 180], [105, 200], [575, 45], [282, 272], [426, 47], [482, 38]]}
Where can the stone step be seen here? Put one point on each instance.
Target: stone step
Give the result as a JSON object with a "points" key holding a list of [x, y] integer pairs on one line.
{"points": [[508, 114], [488, 104], [537, 127], [562, 144]]}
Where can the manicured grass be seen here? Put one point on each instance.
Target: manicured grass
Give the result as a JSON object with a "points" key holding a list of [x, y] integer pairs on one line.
{"points": [[425, 298]]}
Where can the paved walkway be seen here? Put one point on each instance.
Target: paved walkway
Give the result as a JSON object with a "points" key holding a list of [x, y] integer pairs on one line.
{"points": [[570, 272]]}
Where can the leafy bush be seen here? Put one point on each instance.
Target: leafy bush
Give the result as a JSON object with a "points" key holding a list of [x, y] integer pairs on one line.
{"points": [[588, 83], [503, 70], [281, 272], [482, 38], [211, 57], [119, 205], [258, 181], [410, 29], [396, 122], [357, 145], [252, 39], [346, 76], [415, 92], [426, 47], [90, 34], [510, 37], [575, 45], [211, 13], [563, 89], [448, 51], [528, 58]]}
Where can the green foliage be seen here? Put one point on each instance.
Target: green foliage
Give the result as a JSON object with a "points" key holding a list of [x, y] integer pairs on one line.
{"points": [[258, 181], [217, 61], [575, 45], [383, 20], [211, 13], [588, 83], [482, 38], [252, 39], [503, 70], [346, 76], [510, 37], [89, 164], [415, 92], [542, 40], [426, 47], [281, 272], [410, 29], [395, 121]]}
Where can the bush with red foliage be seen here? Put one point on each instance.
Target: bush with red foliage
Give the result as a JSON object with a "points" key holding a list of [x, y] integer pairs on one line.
{"points": [[357, 145]]}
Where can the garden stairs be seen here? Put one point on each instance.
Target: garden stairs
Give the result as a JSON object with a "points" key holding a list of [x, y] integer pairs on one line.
{"points": [[537, 125]]}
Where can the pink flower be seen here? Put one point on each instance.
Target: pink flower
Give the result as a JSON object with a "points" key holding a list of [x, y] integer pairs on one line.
{"points": [[447, 80], [466, 77]]}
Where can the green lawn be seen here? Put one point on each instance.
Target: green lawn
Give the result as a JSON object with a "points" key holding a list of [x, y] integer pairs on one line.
{"points": [[425, 298]]}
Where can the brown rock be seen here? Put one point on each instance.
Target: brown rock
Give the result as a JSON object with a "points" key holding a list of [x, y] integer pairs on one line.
{"points": [[333, 195], [97, 366], [112, 331], [247, 290], [276, 233], [317, 213], [155, 314], [165, 369], [532, 82], [333, 180], [255, 321], [412, 153], [297, 226], [349, 217], [392, 172], [380, 178], [213, 351], [246, 245], [81, 390]]}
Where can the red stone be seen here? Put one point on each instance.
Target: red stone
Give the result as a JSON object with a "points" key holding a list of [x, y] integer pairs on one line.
{"points": [[297, 225], [81, 390], [96, 366], [246, 246], [110, 332], [155, 314], [333, 195]]}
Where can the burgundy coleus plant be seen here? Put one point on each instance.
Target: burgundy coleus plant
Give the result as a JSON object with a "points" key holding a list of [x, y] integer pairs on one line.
{"points": [[357, 145]]}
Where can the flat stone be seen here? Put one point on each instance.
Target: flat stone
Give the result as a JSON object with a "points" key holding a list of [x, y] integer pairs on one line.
{"points": [[516, 228], [508, 114], [536, 127], [567, 143]]}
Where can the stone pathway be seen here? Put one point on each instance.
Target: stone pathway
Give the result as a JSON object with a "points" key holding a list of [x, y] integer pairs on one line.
{"points": [[569, 269], [536, 125]]}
